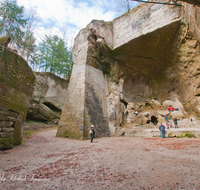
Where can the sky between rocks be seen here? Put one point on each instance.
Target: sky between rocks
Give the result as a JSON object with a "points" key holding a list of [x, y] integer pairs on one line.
{"points": [[75, 14]]}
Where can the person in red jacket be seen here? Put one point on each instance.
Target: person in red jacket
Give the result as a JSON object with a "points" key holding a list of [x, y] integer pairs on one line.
{"points": [[171, 108]]}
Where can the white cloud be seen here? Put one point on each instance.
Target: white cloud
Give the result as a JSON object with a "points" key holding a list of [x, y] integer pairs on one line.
{"points": [[78, 14], [56, 12]]}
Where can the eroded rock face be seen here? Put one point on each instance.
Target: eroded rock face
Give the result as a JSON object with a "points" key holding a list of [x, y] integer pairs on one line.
{"points": [[48, 97], [16, 88], [194, 2], [148, 57]]}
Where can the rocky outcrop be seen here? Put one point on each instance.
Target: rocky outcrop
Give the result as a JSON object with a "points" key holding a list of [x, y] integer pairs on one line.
{"points": [[16, 88], [194, 2], [48, 97], [148, 57]]}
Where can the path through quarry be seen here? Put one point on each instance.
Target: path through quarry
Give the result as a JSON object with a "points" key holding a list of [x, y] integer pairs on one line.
{"points": [[48, 162]]}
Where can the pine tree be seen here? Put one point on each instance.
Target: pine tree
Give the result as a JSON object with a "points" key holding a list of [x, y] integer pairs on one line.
{"points": [[54, 57]]}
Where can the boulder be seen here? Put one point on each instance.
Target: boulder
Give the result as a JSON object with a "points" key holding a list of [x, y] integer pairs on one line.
{"points": [[16, 87], [48, 97], [178, 114]]}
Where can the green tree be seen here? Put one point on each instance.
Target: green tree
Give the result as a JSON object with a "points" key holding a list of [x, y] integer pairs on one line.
{"points": [[54, 57], [12, 21]]}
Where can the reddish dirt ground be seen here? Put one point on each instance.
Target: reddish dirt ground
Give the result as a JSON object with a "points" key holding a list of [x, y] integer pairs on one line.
{"points": [[48, 162]]}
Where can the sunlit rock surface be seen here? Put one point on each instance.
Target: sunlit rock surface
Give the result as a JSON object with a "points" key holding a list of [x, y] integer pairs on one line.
{"points": [[48, 97], [143, 61]]}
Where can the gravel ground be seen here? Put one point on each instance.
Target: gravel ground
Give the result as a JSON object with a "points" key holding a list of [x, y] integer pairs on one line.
{"points": [[48, 162]]}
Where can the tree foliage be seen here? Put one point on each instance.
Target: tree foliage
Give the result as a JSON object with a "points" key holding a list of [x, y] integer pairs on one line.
{"points": [[54, 57], [12, 21], [52, 54]]}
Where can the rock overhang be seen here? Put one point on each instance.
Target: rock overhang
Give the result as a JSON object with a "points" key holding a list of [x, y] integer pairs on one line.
{"points": [[145, 53], [142, 20], [132, 47]]}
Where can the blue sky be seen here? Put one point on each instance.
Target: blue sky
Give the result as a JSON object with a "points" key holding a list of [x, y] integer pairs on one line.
{"points": [[75, 14]]}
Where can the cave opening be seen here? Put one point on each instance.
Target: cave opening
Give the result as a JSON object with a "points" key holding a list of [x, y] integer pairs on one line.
{"points": [[154, 120], [124, 102], [148, 121]]}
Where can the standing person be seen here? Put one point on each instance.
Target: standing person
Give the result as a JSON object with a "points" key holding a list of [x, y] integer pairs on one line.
{"points": [[92, 133], [162, 130], [166, 118], [167, 125], [175, 122]]}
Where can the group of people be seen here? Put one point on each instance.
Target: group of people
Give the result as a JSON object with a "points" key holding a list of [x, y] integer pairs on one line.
{"points": [[161, 127], [168, 123]]}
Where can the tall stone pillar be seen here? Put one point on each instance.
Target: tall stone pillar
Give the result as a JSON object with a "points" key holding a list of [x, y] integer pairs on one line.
{"points": [[86, 103]]}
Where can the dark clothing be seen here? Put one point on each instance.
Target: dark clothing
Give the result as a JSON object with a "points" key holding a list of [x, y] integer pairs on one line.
{"points": [[107, 134], [162, 130], [175, 123], [93, 134]]}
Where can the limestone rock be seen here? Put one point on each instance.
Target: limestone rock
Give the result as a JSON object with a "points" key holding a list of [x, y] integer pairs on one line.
{"points": [[178, 114], [175, 104], [137, 62], [48, 97], [16, 88]]}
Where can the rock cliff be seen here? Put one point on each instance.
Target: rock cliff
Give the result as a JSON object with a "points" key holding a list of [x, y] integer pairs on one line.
{"points": [[137, 62], [48, 97], [16, 88]]}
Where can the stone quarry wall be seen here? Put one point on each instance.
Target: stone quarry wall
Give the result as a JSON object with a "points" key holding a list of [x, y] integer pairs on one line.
{"points": [[71, 123], [147, 59], [48, 97], [142, 20], [16, 87], [96, 91]]}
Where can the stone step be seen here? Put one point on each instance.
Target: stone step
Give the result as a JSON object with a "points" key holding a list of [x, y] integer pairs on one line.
{"points": [[172, 132]]}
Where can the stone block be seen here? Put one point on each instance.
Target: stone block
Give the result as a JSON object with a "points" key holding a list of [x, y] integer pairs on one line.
{"points": [[6, 123], [7, 118], [11, 134], [7, 112], [8, 129], [3, 134]]}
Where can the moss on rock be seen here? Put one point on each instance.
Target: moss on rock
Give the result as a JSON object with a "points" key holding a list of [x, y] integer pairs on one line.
{"points": [[6, 143]]}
